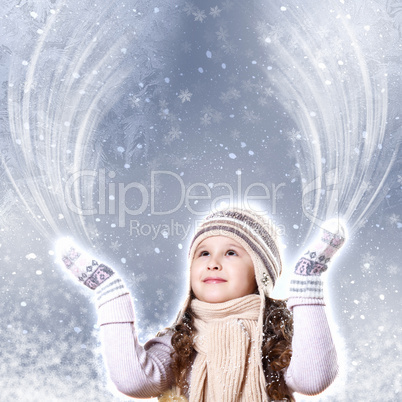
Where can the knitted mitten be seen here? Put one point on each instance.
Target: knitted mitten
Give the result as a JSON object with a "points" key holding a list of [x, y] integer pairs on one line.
{"points": [[93, 274], [306, 282]]}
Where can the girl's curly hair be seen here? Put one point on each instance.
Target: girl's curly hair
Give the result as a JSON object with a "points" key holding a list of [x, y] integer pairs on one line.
{"points": [[276, 348]]}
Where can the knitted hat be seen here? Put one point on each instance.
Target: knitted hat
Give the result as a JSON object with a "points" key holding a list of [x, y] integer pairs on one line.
{"points": [[255, 233]]}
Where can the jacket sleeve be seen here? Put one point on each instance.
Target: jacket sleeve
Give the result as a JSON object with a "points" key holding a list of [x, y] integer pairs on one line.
{"points": [[136, 370], [314, 364]]}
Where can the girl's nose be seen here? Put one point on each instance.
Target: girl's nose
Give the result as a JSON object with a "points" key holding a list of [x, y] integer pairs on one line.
{"points": [[214, 265]]}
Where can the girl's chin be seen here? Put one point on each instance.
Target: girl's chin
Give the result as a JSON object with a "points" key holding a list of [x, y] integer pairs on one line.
{"points": [[216, 298]]}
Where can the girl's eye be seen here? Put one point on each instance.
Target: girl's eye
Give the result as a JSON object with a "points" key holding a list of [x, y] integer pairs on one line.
{"points": [[231, 252], [204, 253]]}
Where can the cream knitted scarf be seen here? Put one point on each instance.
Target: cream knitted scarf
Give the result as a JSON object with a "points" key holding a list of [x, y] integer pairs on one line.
{"points": [[228, 367]]}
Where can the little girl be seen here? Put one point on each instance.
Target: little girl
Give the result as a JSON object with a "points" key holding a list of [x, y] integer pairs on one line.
{"points": [[230, 341]]}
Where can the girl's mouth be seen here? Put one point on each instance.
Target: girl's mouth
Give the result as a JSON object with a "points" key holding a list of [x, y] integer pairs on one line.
{"points": [[211, 280]]}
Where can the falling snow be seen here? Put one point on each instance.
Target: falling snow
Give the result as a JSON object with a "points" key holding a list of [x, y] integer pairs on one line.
{"points": [[112, 117]]}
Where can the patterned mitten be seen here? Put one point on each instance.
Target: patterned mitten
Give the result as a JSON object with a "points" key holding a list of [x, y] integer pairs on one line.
{"points": [[93, 274], [306, 282]]}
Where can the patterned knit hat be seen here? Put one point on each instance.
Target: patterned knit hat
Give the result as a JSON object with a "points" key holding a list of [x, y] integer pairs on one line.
{"points": [[256, 234]]}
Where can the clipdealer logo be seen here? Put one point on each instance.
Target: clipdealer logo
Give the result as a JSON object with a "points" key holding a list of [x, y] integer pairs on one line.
{"points": [[113, 196]]}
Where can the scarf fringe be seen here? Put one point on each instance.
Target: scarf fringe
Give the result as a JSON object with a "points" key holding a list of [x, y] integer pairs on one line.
{"points": [[171, 395]]}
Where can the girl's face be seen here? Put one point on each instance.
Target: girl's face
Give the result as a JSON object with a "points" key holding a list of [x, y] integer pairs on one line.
{"points": [[221, 270]]}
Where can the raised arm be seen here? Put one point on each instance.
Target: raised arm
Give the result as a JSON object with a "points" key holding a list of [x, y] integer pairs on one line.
{"points": [[136, 370], [314, 364]]}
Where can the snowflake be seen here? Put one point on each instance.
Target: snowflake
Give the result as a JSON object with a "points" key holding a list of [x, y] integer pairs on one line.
{"points": [[136, 280], [160, 294], [171, 117], [276, 32], [269, 35], [95, 232], [249, 53], [217, 117], [392, 269], [235, 134], [115, 245], [207, 110], [225, 97], [163, 114], [268, 91], [365, 297], [367, 186], [157, 187], [134, 101], [262, 101], [279, 195], [322, 31], [293, 42], [179, 162], [290, 153], [163, 104], [206, 120], [399, 179], [294, 135], [189, 8], [186, 47], [227, 5], [143, 277], [247, 85], [367, 261], [394, 219], [234, 93], [261, 27], [185, 95], [9, 215], [233, 78], [229, 48], [222, 34], [173, 134], [44, 311], [199, 15], [337, 46], [215, 11], [250, 116]]}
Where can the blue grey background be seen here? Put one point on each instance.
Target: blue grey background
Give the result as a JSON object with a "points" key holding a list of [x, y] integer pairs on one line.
{"points": [[114, 113]]}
